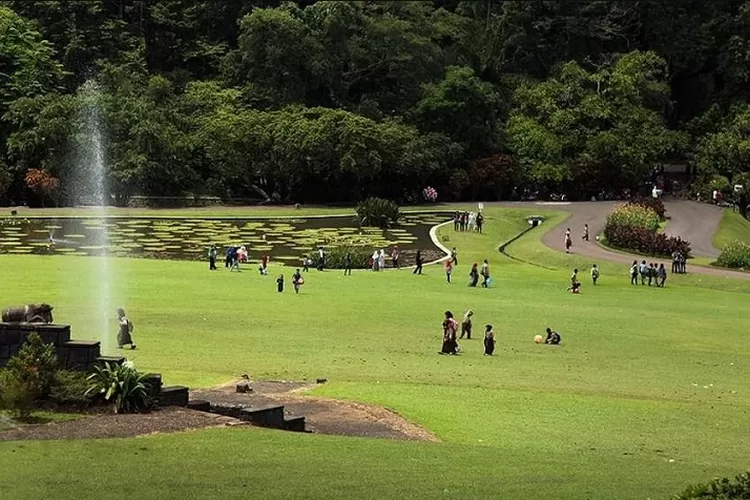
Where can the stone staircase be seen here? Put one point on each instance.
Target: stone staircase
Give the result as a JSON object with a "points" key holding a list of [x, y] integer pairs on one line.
{"points": [[84, 355]]}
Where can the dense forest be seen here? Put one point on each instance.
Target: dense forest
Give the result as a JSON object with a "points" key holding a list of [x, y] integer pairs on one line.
{"points": [[332, 101]]}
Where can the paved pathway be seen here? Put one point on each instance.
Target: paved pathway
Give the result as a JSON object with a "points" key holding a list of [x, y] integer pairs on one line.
{"points": [[695, 222]]}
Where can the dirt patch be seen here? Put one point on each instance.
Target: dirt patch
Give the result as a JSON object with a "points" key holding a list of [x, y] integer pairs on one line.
{"points": [[170, 419], [322, 415]]}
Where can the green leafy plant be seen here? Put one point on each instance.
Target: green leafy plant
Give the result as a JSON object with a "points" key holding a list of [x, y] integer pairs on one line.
{"points": [[35, 365], [16, 395], [735, 255], [378, 212], [719, 489], [69, 387], [121, 386]]}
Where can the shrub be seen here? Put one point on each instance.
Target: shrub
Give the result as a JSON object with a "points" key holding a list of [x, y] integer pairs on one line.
{"points": [[15, 394], [736, 255], [336, 254], [645, 241], [122, 386], [69, 387], [35, 365], [654, 204], [719, 489], [633, 215], [378, 212]]}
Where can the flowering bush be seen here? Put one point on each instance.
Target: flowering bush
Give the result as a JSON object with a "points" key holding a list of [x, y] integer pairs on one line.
{"points": [[654, 204], [736, 255], [632, 215], [635, 227], [430, 194]]}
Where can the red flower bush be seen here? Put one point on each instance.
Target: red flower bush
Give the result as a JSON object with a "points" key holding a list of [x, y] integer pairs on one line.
{"points": [[645, 241]]}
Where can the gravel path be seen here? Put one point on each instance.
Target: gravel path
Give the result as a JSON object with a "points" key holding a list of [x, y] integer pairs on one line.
{"points": [[695, 222]]}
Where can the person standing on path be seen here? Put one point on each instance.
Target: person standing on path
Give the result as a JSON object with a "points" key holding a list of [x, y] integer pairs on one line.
{"points": [[212, 258], [418, 261], [585, 236], [568, 241]]}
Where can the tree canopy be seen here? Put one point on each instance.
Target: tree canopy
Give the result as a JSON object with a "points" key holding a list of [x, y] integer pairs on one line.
{"points": [[339, 100]]}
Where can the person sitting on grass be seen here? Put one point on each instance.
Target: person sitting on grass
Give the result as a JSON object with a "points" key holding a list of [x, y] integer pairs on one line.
{"points": [[553, 338], [450, 327], [575, 285], [594, 274], [489, 340]]}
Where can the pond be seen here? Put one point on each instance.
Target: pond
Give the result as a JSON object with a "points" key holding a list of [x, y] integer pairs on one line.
{"points": [[188, 239]]}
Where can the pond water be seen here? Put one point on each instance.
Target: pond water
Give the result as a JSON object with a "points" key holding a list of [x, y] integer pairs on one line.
{"points": [[188, 239]]}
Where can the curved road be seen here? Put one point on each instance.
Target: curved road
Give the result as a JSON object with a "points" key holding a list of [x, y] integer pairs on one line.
{"points": [[695, 222]]}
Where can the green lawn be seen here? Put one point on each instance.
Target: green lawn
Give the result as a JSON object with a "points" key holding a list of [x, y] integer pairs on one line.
{"points": [[733, 227], [647, 394]]}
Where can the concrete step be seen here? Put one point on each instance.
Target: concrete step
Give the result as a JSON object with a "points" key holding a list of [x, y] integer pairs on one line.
{"points": [[199, 405], [174, 395], [264, 416], [296, 424]]}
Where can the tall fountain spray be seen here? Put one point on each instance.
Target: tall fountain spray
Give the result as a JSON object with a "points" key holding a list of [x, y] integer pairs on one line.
{"points": [[90, 189]]}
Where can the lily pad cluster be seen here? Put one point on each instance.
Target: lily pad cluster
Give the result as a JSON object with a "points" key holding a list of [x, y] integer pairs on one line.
{"points": [[179, 238]]}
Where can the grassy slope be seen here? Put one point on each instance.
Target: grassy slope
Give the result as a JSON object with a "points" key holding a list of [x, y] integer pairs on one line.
{"points": [[599, 417], [733, 227]]}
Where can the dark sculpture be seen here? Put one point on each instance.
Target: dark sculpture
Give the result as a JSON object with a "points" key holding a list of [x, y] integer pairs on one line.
{"points": [[30, 313]]}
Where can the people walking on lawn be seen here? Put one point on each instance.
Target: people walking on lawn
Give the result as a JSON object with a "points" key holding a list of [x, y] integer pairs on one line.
{"points": [[124, 335], [321, 259], [418, 260], [280, 283], [234, 259], [306, 263], [297, 281], [594, 274], [661, 275], [448, 270], [454, 256], [472, 221], [348, 264], [264, 265], [553, 338], [375, 261], [381, 259], [450, 328], [212, 252], [568, 241], [485, 272], [456, 220], [395, 254], [466, 324], [585, 236], [489, 340], [634, 273], [474, 275], [644, 272], [675, 262]]}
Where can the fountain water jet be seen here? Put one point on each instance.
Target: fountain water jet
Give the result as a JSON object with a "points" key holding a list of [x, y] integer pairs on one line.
{"points": [[89, 188]]}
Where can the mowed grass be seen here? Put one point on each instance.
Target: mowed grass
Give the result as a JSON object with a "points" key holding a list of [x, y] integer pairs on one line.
{"points": [[647, 394], [733, 227]]}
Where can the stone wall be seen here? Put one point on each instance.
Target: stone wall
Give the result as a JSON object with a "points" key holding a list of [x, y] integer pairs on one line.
{"points": [[72, 354]]}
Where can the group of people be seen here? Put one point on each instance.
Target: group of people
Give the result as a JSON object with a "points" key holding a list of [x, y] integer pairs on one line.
{"points": [[297, 282], [569, 240], [234, 256], [451, 337], [651, 272], [377, 261], [679, 263], [575, 284], [468, 221]]}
